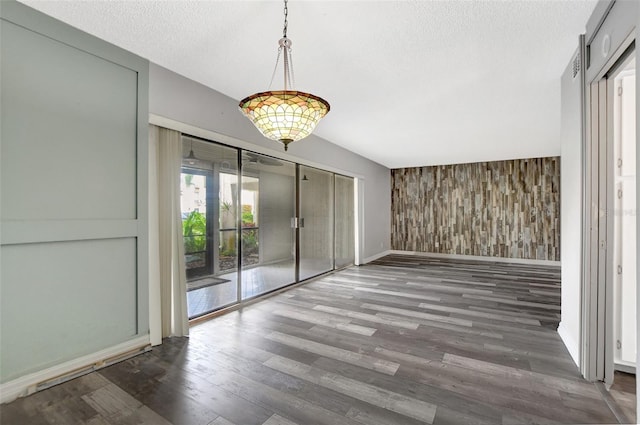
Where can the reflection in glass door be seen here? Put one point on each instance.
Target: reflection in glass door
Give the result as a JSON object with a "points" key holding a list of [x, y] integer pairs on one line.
{"points": [[315, 221], [344, 222], [209, 207], [268, 239]]}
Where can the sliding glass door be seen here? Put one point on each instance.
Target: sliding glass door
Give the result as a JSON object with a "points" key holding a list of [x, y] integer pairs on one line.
{"points": [[344, 222], [268, 238], [253, 224], [315, 221]]}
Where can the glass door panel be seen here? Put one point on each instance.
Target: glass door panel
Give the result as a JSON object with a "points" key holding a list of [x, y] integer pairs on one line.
{"points": [[315, 221], [209, 205], [344, 222], [268, 239], [196, 222], [227, 260]]}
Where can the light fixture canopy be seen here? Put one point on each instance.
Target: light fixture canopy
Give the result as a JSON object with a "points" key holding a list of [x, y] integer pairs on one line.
{"points": [[284, 115]]}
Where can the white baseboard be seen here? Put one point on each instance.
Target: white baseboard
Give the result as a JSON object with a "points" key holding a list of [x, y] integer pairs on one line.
{"points": [[46, 378], [625, 367], [570, 343], [477, 258], [376, 256]]}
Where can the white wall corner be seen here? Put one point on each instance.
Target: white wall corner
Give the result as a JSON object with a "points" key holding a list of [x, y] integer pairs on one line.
{"points": [[570, 343], [376, 256]]}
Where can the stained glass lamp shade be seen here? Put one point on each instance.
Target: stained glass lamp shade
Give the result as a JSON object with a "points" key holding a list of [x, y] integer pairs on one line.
{"points": [[285, 115]]}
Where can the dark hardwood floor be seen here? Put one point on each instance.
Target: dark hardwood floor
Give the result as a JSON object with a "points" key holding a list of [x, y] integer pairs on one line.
{"points": [[623, 393], [404, 340]]}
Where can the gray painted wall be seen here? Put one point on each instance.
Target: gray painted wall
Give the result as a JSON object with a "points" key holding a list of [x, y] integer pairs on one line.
{"points": [[73, 268], [180, 99]]}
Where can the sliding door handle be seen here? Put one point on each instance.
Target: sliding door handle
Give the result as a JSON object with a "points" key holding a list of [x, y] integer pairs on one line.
{"points": [[297, 223]]}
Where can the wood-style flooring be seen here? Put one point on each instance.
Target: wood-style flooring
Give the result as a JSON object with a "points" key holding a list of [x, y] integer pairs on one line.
{"points": [[623, 393], [403, 340]]}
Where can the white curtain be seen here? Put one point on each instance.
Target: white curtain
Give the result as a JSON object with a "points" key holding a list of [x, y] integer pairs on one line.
{"points": [[155, 309], [173, 279]]}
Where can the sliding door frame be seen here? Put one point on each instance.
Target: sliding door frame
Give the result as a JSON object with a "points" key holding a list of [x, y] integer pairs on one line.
{"points": [[239, 172], [295, 223]]}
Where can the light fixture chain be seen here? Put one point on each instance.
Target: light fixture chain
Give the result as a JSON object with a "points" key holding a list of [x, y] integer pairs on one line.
{"points": [[286, 22], [292, 78], [287, 75], [275, 69]]}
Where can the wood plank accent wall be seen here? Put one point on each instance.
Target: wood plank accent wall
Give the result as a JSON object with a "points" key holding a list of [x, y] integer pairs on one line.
{"points": [[505, 209]]}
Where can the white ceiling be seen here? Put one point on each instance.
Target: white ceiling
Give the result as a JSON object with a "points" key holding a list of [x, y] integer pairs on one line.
{"points": [[410, 83]]}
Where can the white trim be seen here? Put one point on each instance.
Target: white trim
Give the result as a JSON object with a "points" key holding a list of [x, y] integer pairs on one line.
{"points": [[376, 256], [479, 258], [570, 343], [626, 367], [28, 384], [232, 141]]}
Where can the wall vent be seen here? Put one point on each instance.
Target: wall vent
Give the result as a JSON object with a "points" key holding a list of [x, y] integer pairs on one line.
{"points": [[87, 369], [576, 65]]}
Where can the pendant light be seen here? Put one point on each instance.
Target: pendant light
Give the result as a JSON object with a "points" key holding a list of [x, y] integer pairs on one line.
{"points": [[191, 159], [284, 115]]}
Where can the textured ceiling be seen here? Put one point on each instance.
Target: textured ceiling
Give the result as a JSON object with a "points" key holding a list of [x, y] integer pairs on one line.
{"points": [[410, 83]]}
